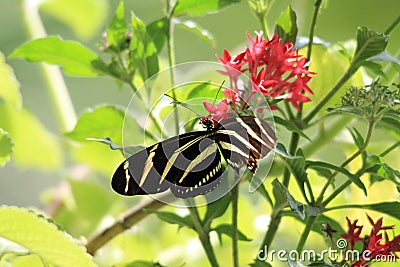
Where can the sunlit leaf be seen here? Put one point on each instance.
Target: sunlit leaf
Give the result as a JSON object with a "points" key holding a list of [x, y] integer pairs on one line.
{"points": [[143, 51], [139, 263], [196, 8], [7, 246], [82, 16], [117, 30], [42, 238], [286, 26], [9, 89], [75, 58], [6, 147], [369, 44], [158, 31]]}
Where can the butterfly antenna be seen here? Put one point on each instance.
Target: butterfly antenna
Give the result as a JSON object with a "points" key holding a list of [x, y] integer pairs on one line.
{"points": [[177, 102], [219, 89]]}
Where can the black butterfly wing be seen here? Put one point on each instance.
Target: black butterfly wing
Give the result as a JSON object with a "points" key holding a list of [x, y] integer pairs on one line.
{"points": [[244, 140], [188, 164]]}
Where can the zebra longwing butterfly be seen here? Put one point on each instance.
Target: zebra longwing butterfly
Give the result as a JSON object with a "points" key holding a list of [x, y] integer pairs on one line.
{"points": [[191, 164]]}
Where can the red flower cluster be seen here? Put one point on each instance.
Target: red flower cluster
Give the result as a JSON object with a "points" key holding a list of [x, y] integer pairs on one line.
{"points": [[376, 246], [274, 68]]}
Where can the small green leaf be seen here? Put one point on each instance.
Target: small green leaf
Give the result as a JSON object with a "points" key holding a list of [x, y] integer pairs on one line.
{"points": [[9, 89], [352, 177], [216, 209], [172, 218], [6, 147], [143, 52], [389, 208], [194, 27], [297, 168], [33, 232], [226, 229], [158, 31], [281, 150], [106, 121], [286, 26], [117, 30], [198, 8], [290, 126], [283, 198], [369, 44], [73, 56]]}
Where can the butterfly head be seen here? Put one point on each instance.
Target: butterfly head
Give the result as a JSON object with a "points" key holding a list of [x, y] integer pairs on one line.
{"points": [[208, 123]]}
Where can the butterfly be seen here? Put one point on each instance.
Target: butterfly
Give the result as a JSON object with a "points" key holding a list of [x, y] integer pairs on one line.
{"points": [[191, 164]]}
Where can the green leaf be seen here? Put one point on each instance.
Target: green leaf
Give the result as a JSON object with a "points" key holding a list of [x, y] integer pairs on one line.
{"points": [[281, 150], [9, 89], [139, 263], [198, 8], [106, 121], [290, 126], [117, 30], [226, 229], [29, 134], [42, 238], [352, 177], [297, 168], [27, 260], [75, 58], [6, 147], [358, 140], [81, 16], [158, 31], [143, 52], [379, 170], [172, 218], [216, 209], [369, 44], [194, 27], [389, 208], [286, 26], [283, 198]]}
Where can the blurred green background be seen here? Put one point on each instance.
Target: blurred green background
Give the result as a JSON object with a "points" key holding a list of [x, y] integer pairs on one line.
{"points": [[23, 184]]}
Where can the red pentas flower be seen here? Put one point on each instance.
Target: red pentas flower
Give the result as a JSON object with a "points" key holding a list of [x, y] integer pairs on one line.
{"points": [[353, 233], [217, 113]]}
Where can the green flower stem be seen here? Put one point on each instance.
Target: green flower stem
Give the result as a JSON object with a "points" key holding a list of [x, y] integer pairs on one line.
{"points": [[235, 200], [272, 229], [347, 75], [171, 59], [317, 6], [264, 25], [392, 26], [303, 238], [203, 236], [56, 86], [371, 126], [389, 149]]}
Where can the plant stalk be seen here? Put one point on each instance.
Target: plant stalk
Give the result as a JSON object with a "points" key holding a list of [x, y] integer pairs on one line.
{"points": [[235, 249]]}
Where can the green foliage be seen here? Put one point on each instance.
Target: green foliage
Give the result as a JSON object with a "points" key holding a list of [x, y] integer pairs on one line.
{"points": [[9, 90], [196, 8], [41, 238], [75, 58], [286, 26], [6, 147]]}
